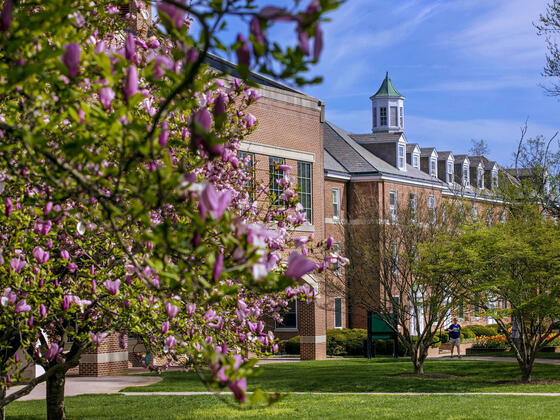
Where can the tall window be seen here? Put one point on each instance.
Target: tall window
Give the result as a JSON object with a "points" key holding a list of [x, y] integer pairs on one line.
{"points": [[466, 175], [449, 172], [336, 203], [394, 258], [249, 169], [494, 179], [338, 312], [375, 117], [382, 116], [413, 206], [474, 212], [394, 116], [275, 176], [305, 188], [432, 207], [401, 115], [402, 160], [289, 316], [433, 167], [480, 177], [393, 205], [415, 159]]}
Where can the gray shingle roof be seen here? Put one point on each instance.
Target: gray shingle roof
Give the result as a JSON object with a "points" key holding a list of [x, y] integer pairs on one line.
{"points": [[331, 164], [411, 146], [377, 137], [358, 160], [427, 151], [460, 158]]}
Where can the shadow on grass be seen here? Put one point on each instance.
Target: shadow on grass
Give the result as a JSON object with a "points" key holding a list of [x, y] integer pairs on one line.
{"points": [[379, 375]]}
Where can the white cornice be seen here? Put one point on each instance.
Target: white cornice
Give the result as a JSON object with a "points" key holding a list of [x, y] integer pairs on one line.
{"points": [[278, 151]]}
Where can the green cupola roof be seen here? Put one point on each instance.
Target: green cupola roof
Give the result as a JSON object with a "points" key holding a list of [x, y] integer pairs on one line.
{"points": [[387, 89]]}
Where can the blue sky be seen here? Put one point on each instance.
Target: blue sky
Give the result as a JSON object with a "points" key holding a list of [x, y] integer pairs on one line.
{"points": [[468, 68]]}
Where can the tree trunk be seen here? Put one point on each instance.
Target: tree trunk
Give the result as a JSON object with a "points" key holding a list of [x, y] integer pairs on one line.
{"points": [[55, 397], [418, 367], [526, 370], [3, 408]]}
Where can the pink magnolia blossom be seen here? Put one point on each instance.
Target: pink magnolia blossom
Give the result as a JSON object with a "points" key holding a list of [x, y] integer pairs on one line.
{"points": [[317, 43], [214, 202], [131, 83], [164, 327], [243, 53], [170, 342], [238, 387], [303, 40], [220, 104], [17, 264], [72, 267], [172, 12], [48, 208], [42, 311], [112, 286], [106, 96], [64, 255], [71, 59], [203, 118], [52, 352], [171, 309], [161, 63], [218, 265], [41, 256], [66, 301], [164, 135], [97, 338], [6, 16], [191, 308], [22, 306], [299, 265], [329, 243], [129, 48], [250, 120], [8, 207]]}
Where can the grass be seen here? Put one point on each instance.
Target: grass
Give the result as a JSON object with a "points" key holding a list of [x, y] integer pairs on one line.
{"points": [[300, 407], [379, 375]]}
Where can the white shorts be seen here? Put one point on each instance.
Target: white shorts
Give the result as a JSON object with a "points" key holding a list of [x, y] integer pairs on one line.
{"points": [[455, 341]]}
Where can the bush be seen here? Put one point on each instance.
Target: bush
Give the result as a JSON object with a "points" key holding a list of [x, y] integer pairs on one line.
{"points": [[440, 338], [291, 346], [346, 342], [481, 330], [467, 333]]}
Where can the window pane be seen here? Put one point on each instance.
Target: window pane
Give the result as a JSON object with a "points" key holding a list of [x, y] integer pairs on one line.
{"points": [[382, 116], [275, 176], [336, 203], [402, 117], [305, 193], [338, 312], [289, 316], [375, 117], [394, 116]]}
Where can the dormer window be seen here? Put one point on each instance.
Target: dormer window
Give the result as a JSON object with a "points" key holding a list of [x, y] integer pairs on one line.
{"points": [[433, 167], [416, 161], [480, 177], [494, 179], [402, 117], [401, 160], [449, 172], [394, 116], [383, 116], [466, 182]]}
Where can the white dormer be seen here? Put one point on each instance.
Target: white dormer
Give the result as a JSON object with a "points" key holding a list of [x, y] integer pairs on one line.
{"points": [[466, 174], [387, 108], [413, 155], [401, 154], [429, 161], [480, 176], [462, 173]]}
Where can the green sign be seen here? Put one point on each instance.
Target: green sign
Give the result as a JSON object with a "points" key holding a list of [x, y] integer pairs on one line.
{"points": [[380, 328]]}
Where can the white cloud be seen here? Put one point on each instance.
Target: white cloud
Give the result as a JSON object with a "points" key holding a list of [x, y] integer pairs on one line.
{"points": [[503, 33]]}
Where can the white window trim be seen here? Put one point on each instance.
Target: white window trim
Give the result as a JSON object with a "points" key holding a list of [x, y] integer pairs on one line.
{"points": [[341, 313], [433, 167], [451, 174], [335, 217], [393, 209], [416, 160], [466, 181], [403, 146]]}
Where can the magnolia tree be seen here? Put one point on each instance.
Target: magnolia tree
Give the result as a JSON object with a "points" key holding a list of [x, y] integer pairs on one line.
{"points": [[125, 205]]}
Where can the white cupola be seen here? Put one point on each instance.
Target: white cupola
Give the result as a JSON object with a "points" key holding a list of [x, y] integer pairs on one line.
{"points": [[387, 108]]}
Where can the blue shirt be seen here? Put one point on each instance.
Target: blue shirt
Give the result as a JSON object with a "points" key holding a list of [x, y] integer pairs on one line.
{"points": [[454, 331]]}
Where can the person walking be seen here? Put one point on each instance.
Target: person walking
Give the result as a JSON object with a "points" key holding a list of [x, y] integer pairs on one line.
{"points": [[455, 337]]}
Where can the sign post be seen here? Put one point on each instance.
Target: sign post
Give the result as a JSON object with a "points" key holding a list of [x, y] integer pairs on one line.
{"points": [[380, 327]]}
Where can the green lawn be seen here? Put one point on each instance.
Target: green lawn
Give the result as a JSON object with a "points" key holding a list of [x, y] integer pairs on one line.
{"points": [[379, 375], [300, 407], [542, 355]]}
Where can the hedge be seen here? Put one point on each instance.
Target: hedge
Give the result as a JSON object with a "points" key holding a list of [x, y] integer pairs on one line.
{"points": [[481, 330]]}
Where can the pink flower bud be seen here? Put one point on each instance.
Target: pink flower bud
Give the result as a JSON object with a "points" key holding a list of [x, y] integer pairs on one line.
{"points": [[243, 53], [106, 96], [71, 59], [131, 83]]}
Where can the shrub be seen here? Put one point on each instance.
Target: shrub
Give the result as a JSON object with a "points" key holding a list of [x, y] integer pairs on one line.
{"points": [[291, 346], [346, 342], [467, 333], [482, 330]]}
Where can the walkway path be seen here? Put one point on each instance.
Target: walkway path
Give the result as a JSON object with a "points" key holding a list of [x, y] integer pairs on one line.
{"points": [[78, 385], [194, 393], [506, 359]]}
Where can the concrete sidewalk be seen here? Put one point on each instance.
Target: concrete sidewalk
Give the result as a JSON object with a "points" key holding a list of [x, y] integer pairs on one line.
{"points": [[79, 385], [501, 359]]}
